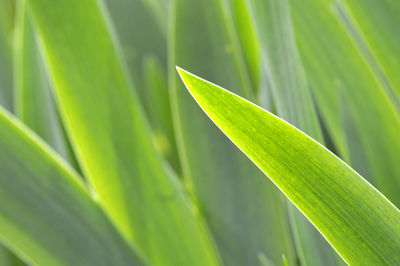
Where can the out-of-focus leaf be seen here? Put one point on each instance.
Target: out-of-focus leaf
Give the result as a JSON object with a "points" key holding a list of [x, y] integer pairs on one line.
{"points": [[133, 18], [140, 36], [159, 113], [46, 214], [246, 217], [292, 97], [159, 8], [111, 137], [34, 103], [248, 39], [358, 221], [335, 66], [7, 258], [6, 66], [379, 23]]}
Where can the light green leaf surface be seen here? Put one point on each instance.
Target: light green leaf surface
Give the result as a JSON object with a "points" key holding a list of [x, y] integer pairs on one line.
{"points": [[247, 218], [340, 74], [160, 11], [7, 258], [6, 65], [34, 103], [292, 96], [140, 36], [137, 26], [111, 137], [379, 22], [159, 113], [358, 221], [248, 40], [46, 214]]}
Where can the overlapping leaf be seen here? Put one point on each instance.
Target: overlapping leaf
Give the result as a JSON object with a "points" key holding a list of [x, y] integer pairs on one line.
{"points": [[247, 218], [351, 214], [46, 214], [111, 137], [292, 96]]}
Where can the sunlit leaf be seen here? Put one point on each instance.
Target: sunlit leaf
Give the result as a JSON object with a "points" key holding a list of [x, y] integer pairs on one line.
{"points": [[111, 137], [357, 220]]}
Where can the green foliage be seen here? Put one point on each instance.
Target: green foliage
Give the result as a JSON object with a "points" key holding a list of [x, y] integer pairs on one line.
{"points": [[321, 185], [105, 158]]}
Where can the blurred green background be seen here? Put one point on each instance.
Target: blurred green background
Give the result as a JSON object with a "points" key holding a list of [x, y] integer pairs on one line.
{"points": [[96, 81]]}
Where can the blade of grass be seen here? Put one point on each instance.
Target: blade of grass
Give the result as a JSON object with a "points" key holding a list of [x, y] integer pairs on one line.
{"points": [[9, 259], [137, 25], [359, 222], [379, 23], [249, 43], [336, 66], [34, 103], [6, 88], [292, 96], [140, 36], [46, 214], [111, 137], [159, 9], [246, 217], [159, 114], [6, 82]]}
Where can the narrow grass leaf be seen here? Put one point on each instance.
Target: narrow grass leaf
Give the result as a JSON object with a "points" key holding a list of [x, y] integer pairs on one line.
{"points": [[6, 65], [140, 36], [159, 113], [379, 22], [248, 39], [7, 258], [46, 214], [247, 218], [111, 137], [34, 102], [337, 69], [357, 220], [292, 96]]}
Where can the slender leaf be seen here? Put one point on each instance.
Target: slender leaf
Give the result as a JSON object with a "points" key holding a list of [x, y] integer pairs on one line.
{"points": [[379, 23], [6, 88], [34, 103], [292, 96], [133, 18], [358, 221], [6, 66], [249, 43], [140, 36], [247, 218], [159, 9], [7, 258], [337, 69], [159, 113], [46, 214], [106, 124]]}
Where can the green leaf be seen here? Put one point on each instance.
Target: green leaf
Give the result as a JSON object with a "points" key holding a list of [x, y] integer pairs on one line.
{"points": [[9, 259], [6, 65], [34, 102], [357, 220], [248, 40], [159, 8], [246, 216], [339, 74], [159, 114], [46, 214], [292, 96], [111, 138], [379, 23], [140, 36]]}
